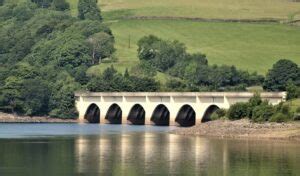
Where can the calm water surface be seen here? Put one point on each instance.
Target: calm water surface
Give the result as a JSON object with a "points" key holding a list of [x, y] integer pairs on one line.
{"points": [[85, 149]]}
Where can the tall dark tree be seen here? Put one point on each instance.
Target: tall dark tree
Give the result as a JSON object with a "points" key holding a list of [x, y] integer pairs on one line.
{"points": [[1, 2], [88, 9], [282, 71]]}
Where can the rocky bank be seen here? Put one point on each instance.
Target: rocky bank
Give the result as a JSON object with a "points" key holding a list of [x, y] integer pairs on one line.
{"points": [[244, 129], [10, 118]]}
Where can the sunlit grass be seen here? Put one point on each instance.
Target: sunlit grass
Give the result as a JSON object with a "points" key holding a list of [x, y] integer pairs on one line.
{"points": [[253, 47]]}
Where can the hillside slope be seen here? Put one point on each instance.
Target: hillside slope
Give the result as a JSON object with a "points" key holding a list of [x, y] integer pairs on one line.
{"points": [[253, 47]]}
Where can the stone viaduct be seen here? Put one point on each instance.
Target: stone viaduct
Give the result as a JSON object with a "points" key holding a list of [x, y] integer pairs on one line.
{"points": [[159, 108]]}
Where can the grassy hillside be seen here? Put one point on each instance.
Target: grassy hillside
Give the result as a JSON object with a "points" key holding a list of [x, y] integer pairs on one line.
{"points": [[253, 47], [245, 9]]}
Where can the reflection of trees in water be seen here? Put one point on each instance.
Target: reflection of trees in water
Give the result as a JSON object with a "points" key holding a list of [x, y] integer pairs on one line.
{"points": [[264, 158], [35, 157], [143, 153]]}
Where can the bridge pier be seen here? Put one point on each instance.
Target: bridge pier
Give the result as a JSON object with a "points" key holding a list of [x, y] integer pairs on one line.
{"points": [[151, 108]]}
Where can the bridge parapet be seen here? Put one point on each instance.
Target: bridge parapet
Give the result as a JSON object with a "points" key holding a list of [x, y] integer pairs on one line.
{"points": [[160, 107]]}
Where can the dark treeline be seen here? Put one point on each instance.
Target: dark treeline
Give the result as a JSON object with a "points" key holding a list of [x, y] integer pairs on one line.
{"points": [[45, 54]]}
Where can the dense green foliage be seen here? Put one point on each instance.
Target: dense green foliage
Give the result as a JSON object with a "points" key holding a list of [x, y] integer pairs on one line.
{"points": [[282, 72], [60, 5], [112, 81], [88, 9], [45, 53], [238, 111], [293, 91], [219, 113], [171, 57], [261, 111]]}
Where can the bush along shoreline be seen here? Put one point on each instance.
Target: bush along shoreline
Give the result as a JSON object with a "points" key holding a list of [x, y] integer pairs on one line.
{"points": [[255, 119], [258, 110]]}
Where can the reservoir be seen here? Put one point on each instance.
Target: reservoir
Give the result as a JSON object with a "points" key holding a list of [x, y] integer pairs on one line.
{"points": [[93, 149]]}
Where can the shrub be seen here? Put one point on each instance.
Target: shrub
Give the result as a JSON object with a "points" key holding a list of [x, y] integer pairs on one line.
{"points": [[293, 91], [237, 111], [284, 109], [214, 116], [254, 102], [221, 113], [263, 112], [298, 110], [296, 116], [279, 118]]}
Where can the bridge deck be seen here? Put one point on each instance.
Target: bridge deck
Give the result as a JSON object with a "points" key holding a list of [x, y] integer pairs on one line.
{"points": [[181, 94]]}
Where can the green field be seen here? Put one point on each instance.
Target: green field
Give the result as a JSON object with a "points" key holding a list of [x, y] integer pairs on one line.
{"points": [[253, 47], [244, 9]]}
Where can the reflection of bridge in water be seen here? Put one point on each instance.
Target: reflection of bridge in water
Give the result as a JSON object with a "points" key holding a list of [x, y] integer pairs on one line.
{"points": [[169, 108], [143, 153]]}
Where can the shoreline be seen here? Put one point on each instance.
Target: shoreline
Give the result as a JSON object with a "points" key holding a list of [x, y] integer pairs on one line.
{"points": [[10, 118], [244, 129], [239, 129]]}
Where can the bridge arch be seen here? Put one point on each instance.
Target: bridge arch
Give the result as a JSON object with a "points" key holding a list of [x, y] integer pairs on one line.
{"points": [[114, 114], [209, 111], [92, 114], [161, 115], [186, 116], [137, 115]]}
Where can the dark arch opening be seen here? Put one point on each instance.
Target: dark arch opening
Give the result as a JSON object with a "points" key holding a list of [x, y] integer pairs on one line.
{"points": [[114, 114], [186, 116], [137, 115], [92, 114], [209, 111], [161, 116]]}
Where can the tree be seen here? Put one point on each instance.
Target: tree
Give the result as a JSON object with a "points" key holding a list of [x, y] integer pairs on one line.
{"points": [[146, 47], [88, 9], [281, 72], [109, 73], [237, 111], [60, 5], [263, 112], [35, 95], [101, 46], [161, 54], [62, 99], [43, 3], [293, 91], [11, 94], [143, 69], [1, 2]]}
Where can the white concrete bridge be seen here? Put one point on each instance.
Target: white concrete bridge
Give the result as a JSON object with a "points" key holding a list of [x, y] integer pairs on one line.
{"points": [[159, 108]]}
